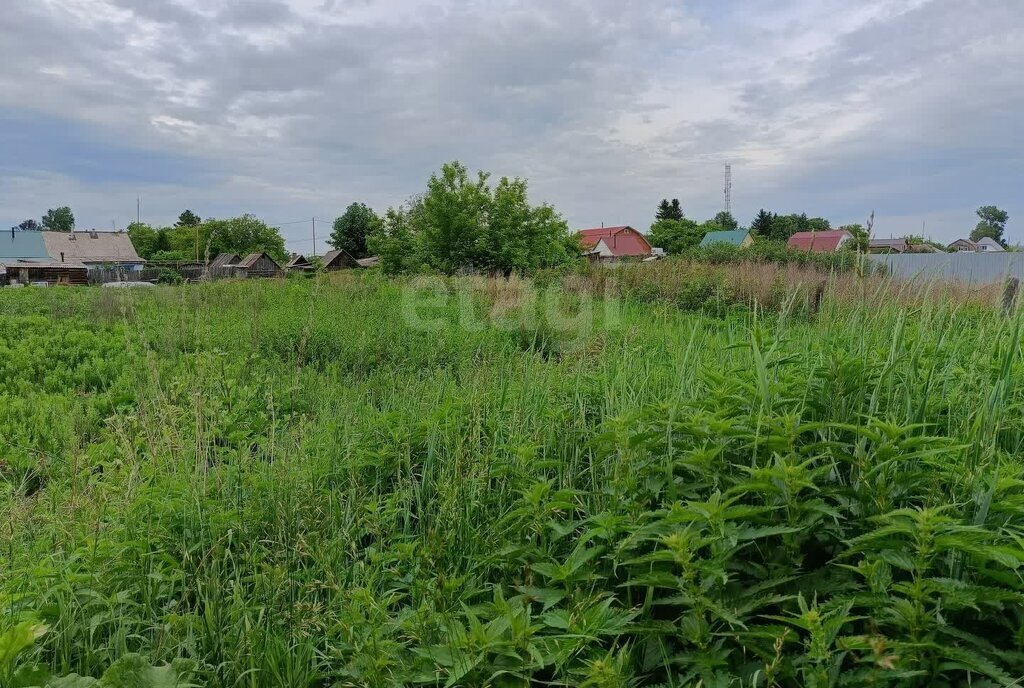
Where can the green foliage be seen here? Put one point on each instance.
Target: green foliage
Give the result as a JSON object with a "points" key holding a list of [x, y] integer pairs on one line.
{"points": [[775, 252], [669, 211], [396, 241], [59, 220], [724, 221], [184, 242], [992, 224], [170, 277], [145, 239], [30, 225], [291, 485], [352, 229], [763, 224], [918, 240], [780, 228], [189, 219], [461, 223], [676, 236]]}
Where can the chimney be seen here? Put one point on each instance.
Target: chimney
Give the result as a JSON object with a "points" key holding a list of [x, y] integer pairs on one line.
{"points": [[62, 256]]}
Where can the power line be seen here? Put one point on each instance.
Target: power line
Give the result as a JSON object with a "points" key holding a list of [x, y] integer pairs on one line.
{"points": [[284, 224]]}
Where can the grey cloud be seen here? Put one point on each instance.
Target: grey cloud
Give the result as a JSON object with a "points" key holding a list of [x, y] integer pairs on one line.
{"points": [[605, 105]]}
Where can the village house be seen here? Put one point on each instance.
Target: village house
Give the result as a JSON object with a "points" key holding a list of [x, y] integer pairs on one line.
{"points": [[826, 241], [614, 244], [298, 263], [24, 260], [95, 250], [339, 259], [889, 246], [259, 264], [740, 238], [983, 245]]}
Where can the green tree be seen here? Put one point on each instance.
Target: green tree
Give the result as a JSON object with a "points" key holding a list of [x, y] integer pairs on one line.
{"points": [[676, 236], [763, 224], [59, 220], [725, 221], [29, 225], [352, 229], [144, 239], [455, 209], [242, 235], [785, 226], [992, 224], [861, 238], [462, 223], [396, 239], [189, 219], [669, 210], [516, 237]]}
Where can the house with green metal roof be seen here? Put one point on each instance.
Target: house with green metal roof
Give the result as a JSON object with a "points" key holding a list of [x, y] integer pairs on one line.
{"points": [[22, 245], [739, 238]]}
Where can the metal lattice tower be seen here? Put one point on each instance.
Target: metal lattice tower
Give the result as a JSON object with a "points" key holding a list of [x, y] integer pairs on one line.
{"points": [[728, 188]]}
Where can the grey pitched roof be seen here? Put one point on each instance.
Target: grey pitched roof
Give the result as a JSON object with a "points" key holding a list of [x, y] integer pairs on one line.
{"points": [[91, 247], [251, 259], [340, 257], [224, 259], [298, 261], [15, 245]]}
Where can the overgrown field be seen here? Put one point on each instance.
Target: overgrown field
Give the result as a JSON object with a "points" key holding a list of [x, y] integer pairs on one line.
{"points": [[312, 484]]}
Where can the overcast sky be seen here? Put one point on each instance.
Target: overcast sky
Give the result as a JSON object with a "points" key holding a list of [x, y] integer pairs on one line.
{"points": [[292, 109]]}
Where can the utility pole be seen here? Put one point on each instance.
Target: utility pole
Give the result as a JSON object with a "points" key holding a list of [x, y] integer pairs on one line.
{"points": [[138, 210], [728, 188], [314, 236]]}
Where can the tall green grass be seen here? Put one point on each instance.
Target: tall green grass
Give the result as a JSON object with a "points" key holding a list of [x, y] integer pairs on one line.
{"points": [[286, 484]]}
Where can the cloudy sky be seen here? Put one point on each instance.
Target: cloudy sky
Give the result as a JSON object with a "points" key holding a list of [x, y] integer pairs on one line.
{"points": [[292, 109]]}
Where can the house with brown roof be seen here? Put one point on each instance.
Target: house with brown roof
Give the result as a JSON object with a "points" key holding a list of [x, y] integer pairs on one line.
{"points": [[889, 246], [339, 259], [257, 265], [827, 241], [95, 250], [614, 244], [298, 263]]}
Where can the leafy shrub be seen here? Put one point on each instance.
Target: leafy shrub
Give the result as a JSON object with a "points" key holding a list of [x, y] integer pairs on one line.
{"points": [[168, 276]]}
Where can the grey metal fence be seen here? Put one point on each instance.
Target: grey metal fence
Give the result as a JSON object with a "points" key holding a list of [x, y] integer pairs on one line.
{"points": [[973, 268]]}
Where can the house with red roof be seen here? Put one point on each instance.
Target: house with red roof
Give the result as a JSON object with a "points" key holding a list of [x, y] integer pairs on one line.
{"points": [[612, 244], [826, 241]]}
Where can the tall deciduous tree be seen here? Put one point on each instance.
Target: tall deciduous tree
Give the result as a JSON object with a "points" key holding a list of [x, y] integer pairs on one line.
{"points": [[992, 224], [29, 225], [352, 229], [144, 239], [669, 210], [396, 239], [676, 236], [455, 209], [462, 223], [59, 219]]}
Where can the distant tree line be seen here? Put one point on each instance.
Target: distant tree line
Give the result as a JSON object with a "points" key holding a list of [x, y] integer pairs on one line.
{"points": [[192, 238], [674, 232]]}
